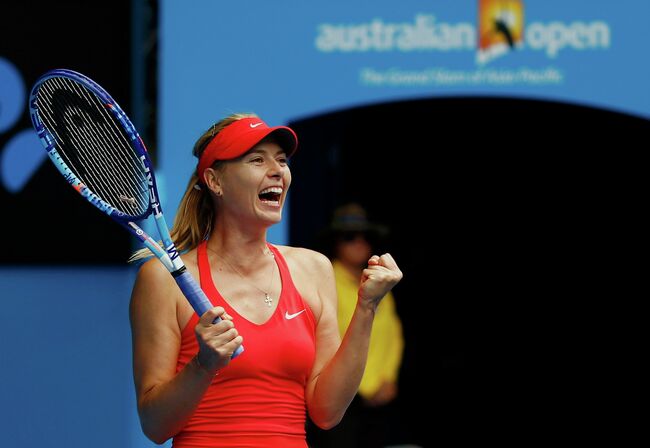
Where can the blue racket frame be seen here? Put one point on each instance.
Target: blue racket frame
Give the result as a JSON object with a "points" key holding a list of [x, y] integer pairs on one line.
{"points": [[169, 256]]}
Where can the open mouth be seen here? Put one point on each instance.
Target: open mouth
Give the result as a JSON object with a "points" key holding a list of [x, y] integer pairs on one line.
{"points": [[271, 196]]}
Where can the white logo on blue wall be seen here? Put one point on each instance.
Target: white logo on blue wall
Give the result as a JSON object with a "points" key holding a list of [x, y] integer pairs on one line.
{"points": [[426, 33], [22, 154]]}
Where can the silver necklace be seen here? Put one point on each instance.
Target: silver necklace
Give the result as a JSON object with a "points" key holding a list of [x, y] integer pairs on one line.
{"points": [[267, 298]]}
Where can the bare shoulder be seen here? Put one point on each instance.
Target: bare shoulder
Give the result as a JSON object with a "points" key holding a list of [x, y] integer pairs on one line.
{"points": [[304, 260], [156, 276], [152, 276], [312, 275], [155, 291], [152, 269]]}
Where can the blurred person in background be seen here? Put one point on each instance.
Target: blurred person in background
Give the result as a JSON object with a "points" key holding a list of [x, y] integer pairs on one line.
{"points": [[350, 240]]}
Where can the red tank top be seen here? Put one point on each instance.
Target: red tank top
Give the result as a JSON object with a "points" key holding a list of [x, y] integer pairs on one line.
{"points": [[259, 399]]}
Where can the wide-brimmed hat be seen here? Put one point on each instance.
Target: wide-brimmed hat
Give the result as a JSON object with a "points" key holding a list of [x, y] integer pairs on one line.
{"points": [[352, 218]]}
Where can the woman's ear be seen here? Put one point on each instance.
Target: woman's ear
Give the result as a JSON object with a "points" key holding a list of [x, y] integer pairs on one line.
{"points": [[213, 180]]}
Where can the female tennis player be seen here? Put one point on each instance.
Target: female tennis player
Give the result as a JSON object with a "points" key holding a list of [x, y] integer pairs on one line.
{"points": [[281, 301]]}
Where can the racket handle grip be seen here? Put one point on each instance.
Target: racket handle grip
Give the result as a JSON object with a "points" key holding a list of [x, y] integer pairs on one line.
{"points": [[198, 300]]}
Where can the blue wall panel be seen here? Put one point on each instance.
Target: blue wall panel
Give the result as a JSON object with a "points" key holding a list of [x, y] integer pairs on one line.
{"points": [[65, 358]]}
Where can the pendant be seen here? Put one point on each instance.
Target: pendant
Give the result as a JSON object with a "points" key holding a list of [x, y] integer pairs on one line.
{"points": [[268, 299]]}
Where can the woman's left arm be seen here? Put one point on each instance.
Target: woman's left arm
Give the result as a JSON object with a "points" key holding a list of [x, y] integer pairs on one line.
{"points": [[338, 368]]}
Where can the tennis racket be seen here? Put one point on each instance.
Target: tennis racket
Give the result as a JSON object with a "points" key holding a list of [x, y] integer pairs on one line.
{"points": [[99, 152]]}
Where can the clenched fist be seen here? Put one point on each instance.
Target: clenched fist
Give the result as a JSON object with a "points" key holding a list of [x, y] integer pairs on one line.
{"points": [[381, 275]]}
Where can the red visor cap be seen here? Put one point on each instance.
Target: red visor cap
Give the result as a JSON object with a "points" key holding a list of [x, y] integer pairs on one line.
{"points": [[240, 136]]}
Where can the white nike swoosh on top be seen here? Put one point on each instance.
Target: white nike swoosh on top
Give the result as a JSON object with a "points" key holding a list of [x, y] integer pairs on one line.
{"points": [[254, 125], [291, 316]]}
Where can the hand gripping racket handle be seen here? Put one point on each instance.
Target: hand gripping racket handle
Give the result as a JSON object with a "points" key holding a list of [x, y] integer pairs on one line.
{"points": [[198, 299]]}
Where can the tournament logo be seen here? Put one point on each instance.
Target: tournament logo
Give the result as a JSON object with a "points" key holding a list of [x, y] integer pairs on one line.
{"points": [[500, 28]]}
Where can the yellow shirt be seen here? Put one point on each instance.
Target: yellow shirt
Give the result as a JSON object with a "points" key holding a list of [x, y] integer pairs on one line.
{"points": [[386, 340]]}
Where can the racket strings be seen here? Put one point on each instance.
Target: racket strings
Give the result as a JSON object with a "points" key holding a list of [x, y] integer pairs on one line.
{"points": [[109, 151], [99, 135], [86, 158], [88, 154], [117, 131], [93, 145]]}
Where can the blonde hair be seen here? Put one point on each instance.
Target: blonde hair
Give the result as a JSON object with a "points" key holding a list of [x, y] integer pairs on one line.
{"points": [[197, 210]]}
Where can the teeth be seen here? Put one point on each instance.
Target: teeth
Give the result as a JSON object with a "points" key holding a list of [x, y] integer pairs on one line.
{"points": [[276, 190]]}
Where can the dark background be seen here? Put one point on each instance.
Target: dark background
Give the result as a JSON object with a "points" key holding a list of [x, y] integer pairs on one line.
{"points": [[497, 208], [36, 43]]}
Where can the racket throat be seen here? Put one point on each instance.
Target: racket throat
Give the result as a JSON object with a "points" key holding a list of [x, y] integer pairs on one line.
{"points": [[178, 272]]}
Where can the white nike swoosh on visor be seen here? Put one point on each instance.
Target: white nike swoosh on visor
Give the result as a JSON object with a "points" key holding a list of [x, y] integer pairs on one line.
{"points": [[255, 125], [291, 316]]}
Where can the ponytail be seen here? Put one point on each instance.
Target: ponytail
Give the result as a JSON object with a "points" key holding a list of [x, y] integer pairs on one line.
{"points": [[197, 211]]}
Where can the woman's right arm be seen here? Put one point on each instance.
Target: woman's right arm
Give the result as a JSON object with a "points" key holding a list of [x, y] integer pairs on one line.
{"points": [[166, 400]]}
